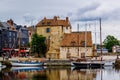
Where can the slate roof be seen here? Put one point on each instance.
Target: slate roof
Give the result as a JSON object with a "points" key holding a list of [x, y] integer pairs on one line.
{"points": [[77, 39], [5, 25]]}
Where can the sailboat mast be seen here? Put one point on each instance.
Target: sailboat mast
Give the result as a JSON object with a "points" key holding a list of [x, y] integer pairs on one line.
{"points": [[78, 38], [85, 38], [100, 39], [19, 40], [95, 40]]}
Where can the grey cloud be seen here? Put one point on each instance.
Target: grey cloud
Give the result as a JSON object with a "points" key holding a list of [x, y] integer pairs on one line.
{"points": [[28, 17], [95, 11], [112, 15], [83, 13], [88, 8]]}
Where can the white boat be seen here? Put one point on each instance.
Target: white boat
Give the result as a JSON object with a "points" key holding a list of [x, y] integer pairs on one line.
{"points": [[26, 63]]}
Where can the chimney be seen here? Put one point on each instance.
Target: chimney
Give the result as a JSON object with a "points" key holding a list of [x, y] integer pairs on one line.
{"points": [[67, 19], [25, 26], [10, 22], [44, 19], [55, 18]]}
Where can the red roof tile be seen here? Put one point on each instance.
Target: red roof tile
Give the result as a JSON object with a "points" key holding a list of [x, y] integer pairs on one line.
{"points": [[77, 39], [54, 22]]}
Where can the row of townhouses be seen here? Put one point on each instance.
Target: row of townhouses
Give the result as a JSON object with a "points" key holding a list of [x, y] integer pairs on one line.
{"points": [[12, 37]]}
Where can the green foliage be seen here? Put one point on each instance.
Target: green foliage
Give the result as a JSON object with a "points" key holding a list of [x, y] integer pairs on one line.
{"points": [[110, 41], [38, 45], [28, 45]]}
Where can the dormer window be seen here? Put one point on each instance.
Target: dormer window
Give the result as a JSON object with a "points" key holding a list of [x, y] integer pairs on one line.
{"points": [[82, 43], [48, 23], [42, 23], [73, 43]]}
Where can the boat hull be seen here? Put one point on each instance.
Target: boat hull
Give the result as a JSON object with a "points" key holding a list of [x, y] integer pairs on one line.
{"points": [[26, 64], [88, 64]]}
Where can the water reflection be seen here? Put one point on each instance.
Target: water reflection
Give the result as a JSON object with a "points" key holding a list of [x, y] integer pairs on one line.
{"points": [[22, 73], [58, 73]]}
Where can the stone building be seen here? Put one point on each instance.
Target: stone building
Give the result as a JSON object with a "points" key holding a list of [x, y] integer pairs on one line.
{"points": [[73, 45], [116, 49], [31, 31], [54, 30]]}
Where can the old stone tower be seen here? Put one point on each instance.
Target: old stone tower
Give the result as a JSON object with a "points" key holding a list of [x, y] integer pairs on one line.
{"points": [[54, 30]]}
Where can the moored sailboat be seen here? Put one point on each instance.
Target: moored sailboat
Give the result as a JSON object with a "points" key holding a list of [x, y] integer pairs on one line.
{"points": [[89, 63]]}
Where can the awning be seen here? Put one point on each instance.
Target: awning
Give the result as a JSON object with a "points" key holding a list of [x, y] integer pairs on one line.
{"points": [[6, 49]]}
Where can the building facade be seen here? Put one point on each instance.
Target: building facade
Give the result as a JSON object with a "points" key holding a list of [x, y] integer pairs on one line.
{"points": [[75, 45], [54, 30], [23, 35], [1, 28], [31, 31], [9, 36], [116, 49], [9, 40]]}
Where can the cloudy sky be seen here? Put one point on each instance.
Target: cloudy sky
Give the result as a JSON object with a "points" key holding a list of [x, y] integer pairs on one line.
{"points": [[82, 12]]}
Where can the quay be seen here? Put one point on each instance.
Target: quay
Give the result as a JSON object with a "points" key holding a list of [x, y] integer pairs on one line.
{"points": [[53, 62], [47, 62]]}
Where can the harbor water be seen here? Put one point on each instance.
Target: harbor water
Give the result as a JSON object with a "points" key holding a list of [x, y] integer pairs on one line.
{"points": [[59, 73]]}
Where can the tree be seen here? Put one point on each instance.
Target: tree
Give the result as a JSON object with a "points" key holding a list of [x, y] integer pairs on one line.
{"points": [[109, 42], [38, 45]]}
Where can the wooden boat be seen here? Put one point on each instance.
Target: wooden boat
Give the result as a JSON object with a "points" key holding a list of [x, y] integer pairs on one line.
{"points": [[26, 63], [88, 64]]}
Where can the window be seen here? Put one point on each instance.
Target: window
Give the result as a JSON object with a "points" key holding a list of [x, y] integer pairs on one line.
{"points": [[10, 39], [14, 34], [73, 43], [10, 34], [82, 43], [10, 45], [42, 23], [47, 30], [66, 27]]}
